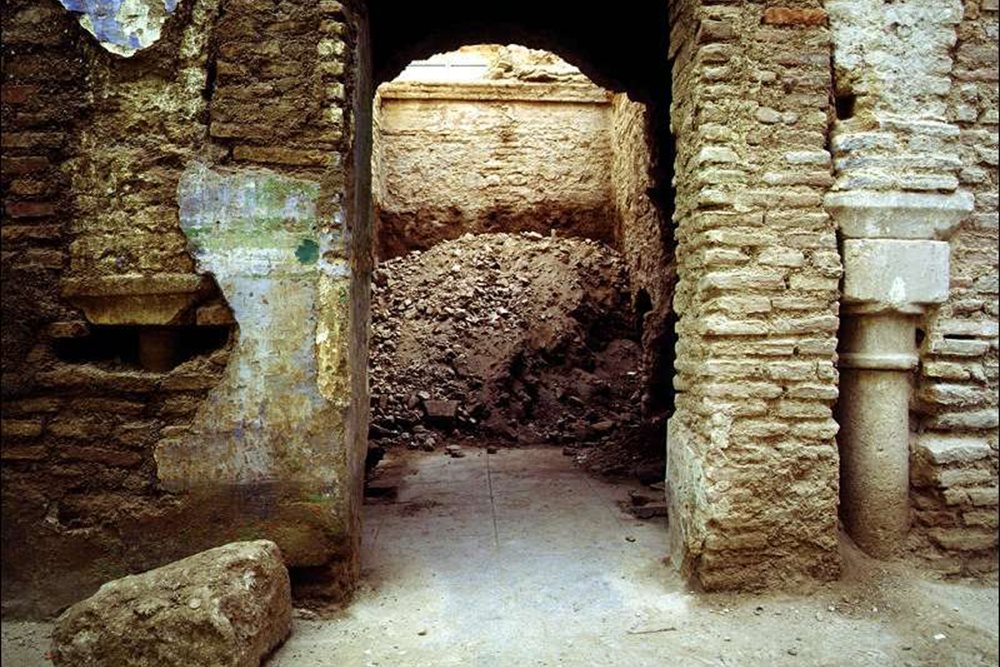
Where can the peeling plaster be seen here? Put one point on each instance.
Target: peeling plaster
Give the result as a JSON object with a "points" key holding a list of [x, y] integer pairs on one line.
{"points": [[124, 27], [268, 420]]}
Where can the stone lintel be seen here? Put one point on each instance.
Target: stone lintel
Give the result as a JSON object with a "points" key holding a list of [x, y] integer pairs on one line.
{"points": [[134, 299]]}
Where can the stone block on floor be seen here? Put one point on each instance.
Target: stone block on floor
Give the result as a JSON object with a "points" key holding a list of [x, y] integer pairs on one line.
{"points": [[225, 607]]}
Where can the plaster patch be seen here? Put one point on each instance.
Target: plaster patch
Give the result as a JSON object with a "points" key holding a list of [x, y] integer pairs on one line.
{"points": [[124, 27], [257, 232]]}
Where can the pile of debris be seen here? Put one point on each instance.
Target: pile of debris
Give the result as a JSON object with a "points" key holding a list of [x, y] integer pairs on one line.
{"points": [[515, 338]]}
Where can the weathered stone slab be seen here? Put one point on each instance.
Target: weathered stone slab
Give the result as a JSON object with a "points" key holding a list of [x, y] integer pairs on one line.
{"points": [[225, 607], [135, 298], [895, 273]]}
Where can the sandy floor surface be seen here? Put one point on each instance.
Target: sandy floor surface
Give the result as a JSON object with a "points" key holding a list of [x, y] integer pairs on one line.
{"points": [[519, 558]]}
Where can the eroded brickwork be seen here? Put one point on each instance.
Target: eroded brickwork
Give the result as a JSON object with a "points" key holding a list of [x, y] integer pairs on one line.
{"points": [[95, 147], [955, 454], [645, 238], [751, 456]]}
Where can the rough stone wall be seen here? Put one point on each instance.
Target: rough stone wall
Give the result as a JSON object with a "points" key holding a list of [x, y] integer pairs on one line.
{"points": [[752, 462], [108, 467], [646, 241], [490, 156], [917, 92]]}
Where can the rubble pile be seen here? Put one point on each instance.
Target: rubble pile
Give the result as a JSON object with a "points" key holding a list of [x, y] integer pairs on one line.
{"points": [[510, 338]]}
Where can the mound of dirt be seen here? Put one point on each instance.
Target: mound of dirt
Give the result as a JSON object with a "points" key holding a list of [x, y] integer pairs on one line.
{"points": [[511, 337]]}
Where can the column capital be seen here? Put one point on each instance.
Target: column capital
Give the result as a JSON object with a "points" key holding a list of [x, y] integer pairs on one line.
{"points": [[862, 214]]}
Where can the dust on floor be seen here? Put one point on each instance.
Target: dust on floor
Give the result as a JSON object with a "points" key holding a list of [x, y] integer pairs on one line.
{"points": [[519, 558]]}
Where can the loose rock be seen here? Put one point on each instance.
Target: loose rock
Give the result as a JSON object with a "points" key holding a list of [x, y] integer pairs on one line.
{"points": [[225, 607]]}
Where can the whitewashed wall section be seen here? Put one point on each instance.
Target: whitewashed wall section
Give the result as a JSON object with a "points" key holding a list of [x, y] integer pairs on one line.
{"points": [[275, 416]]}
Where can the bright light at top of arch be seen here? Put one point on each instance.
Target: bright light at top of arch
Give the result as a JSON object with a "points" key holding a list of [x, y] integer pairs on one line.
{"points": [[451, 67], [477, 62]]}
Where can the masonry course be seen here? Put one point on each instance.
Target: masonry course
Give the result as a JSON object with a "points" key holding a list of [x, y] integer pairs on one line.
{"points": [[764, 128]]}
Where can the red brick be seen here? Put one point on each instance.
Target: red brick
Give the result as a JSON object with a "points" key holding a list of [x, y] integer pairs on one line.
{"points": [[281, 155], [15, 94], [28, 187], [21, 428], [241, 130], [794, 16], [42, 67], [214, 314], [47, 114], [100, 455], [41, 259], [32, 139], [30, 209], [15, 233], [70, 329], [30, 406], [189, 381], [711, 31], [30, 453], [25, 165]]}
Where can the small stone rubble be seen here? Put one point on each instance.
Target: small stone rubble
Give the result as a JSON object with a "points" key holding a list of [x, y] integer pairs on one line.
{"points": [[515, 338]]}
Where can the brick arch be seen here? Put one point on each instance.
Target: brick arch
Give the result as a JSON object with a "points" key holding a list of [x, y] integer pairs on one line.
{"points": [[753, 462], [622, 50], [752, 459]]}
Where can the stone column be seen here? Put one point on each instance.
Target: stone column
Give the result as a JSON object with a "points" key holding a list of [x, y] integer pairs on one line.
{"points": [[893, 269]]}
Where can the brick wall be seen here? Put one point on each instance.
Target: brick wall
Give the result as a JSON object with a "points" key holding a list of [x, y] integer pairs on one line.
{"points": [[645, 238], [42, 93], [76, 440], [918, 89], [751, 455], [954, 454], [280, 91], [94, 147], [642, 235]]}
